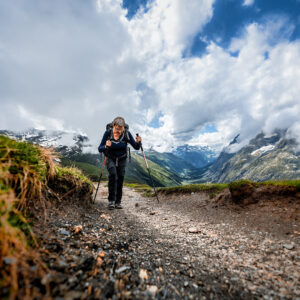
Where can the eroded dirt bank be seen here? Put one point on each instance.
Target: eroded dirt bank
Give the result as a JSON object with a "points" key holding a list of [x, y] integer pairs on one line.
{"points": [[185, 247]]}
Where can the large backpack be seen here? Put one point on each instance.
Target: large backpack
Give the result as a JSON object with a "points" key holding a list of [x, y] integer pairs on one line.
{"points": [[109, 127]]}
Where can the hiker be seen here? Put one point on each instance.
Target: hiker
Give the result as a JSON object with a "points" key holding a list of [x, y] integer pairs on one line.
{"points": [[114, 145]]}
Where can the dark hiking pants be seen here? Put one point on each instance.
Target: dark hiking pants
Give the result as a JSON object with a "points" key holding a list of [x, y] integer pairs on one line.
{"points": [[116, 178]]}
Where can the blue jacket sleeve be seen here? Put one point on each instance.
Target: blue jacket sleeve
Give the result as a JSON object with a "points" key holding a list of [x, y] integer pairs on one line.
{"points": [[133, 143], [101, 147]]}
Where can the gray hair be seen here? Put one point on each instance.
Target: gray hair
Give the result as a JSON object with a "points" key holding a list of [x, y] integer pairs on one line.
{"points": [[119, 121]]}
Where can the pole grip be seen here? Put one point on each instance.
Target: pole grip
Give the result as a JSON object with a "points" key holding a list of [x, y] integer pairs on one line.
{"points": [[140, 143]]}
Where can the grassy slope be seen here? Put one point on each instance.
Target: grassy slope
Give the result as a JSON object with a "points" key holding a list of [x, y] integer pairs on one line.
{"points": [[136, 170], [171, 162], [25, 176], [215, 187]]}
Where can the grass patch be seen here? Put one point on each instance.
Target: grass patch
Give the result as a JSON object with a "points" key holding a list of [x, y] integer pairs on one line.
{"points": [[284, 183], [212, 188], [89, 170], [190, 188], [288, 183], [71, 172], [70, 182], [144, 189], [26, 172]]}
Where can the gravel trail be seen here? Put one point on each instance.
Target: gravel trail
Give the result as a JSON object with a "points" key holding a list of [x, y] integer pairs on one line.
{"points": [[185, 247], [203, 247]]}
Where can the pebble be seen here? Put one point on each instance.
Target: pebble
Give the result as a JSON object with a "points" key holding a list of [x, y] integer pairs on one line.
{"points": [[289, 246], [193, 230], [152, 289], [122, 269], [10, 260], [65, 232]]}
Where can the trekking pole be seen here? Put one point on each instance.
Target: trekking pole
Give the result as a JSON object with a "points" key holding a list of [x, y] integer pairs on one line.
{"points": [[148, 170], [100, 178]]}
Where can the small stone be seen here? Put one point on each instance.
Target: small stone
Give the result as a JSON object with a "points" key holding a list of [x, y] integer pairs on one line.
{"points": [[64, 232], [143, 274], [9, 260], [62, 264], [152, 213], [193, 230], [45, 279], [122, 269], [73, 295], [77, 229], [289, 246], [152, 289], [186, 283]]}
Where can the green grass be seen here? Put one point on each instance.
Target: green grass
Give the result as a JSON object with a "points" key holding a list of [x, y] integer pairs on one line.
{"points": [[216, 187], [89, 170], [287, 183], [294, 183], [213, 188], [16, 156], [138, 186]]}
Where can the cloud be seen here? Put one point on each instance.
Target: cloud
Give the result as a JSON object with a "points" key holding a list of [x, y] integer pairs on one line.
{"points": [[247, 92], [63, 61], [77, 64], [248, 2]]}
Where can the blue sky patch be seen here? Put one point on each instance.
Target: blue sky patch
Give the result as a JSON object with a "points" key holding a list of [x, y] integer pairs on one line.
{"points": [[208, 128], [230, 18], [133, 6], [155, 123]]}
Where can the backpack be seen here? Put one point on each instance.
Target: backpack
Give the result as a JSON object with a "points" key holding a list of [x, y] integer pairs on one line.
{"points": [[109, 127]]}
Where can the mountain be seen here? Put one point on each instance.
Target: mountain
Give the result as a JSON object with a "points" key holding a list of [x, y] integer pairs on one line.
{"points": [[265, 157], [272, 157], [197, 156], [73, 147], [50, 138], [136, 170], [171, 162]]}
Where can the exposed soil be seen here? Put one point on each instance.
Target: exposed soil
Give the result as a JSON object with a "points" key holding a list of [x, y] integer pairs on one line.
{"points": [[185, 247]]}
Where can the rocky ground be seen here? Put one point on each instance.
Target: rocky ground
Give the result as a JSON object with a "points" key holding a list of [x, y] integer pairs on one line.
{"points": [[185, 247]]}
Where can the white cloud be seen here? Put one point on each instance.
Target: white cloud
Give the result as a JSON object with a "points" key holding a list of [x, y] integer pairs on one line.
{"points": [[259, 92], [76, 64], [248, 2]]}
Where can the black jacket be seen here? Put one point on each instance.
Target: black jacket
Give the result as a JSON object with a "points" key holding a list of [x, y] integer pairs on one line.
{"points": [[118, 148]]}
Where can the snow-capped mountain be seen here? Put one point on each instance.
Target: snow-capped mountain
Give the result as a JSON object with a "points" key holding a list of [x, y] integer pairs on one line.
{"points": [[196, 155], [56, 139], [265, 158]]}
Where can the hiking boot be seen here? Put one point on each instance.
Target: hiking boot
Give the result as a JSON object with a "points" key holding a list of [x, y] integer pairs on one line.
{"points": [[111, 205], [118, 206]]}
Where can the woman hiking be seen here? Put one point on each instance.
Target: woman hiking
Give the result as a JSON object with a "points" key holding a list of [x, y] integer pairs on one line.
{"points": [[114, 145]]}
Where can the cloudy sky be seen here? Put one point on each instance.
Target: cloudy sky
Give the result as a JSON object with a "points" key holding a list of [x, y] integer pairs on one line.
{"points": [[195, 71]]}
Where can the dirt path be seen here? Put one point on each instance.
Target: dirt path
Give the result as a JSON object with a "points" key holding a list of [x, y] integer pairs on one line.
{"points": [[182, 248]]}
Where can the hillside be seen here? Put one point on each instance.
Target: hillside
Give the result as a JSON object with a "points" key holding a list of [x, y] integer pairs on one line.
{"points": [[171, 162], [30, 183], [136, 170], [274, 157], [197, 156]]}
